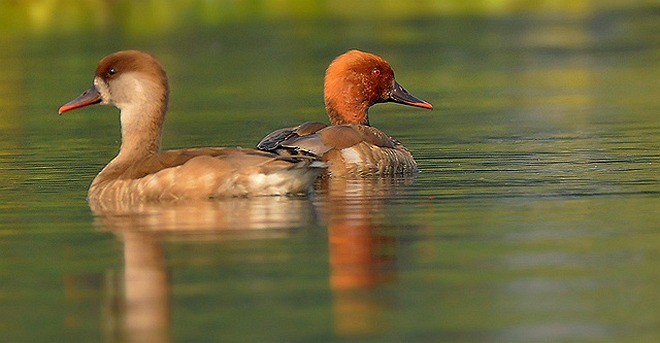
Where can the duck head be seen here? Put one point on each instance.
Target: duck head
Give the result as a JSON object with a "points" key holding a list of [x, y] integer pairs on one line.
{"points": [[355, 81], [125, 79]]}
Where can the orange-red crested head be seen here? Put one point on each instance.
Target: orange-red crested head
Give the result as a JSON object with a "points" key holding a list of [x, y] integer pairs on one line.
{"points": [[355, 81]]}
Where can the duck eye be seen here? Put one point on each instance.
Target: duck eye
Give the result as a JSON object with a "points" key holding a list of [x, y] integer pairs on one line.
{"points": [[375, 72], [112, 71]]}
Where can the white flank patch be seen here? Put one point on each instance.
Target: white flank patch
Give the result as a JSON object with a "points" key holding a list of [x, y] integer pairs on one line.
{"points": [[275, 183], [351, 155]]}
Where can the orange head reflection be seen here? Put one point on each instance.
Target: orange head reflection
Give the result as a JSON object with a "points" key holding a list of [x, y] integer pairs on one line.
{"points": [[362, 255]]}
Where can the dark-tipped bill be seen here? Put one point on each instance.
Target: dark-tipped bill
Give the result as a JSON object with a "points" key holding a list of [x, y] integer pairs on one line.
{"points": [[401, 96], [89, 97]]}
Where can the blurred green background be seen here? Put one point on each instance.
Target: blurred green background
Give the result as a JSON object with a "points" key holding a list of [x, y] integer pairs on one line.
{"points": [[535, 216]]}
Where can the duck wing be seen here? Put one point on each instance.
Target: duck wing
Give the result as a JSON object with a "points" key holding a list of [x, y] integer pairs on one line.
{"points": [[338, 137], [275, 139]]}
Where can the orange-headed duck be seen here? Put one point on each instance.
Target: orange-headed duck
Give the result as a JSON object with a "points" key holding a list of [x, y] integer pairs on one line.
{"points": [[135, 83], [354, 82]]}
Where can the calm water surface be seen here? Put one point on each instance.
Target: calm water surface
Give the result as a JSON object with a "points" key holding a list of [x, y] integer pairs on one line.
{"points": [[534, 216]]}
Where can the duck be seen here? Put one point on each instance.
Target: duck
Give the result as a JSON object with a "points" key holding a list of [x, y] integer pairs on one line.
{"points": [[354, 81], [135, 82]]}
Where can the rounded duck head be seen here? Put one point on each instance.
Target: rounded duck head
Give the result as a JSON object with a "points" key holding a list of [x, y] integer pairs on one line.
{"points": [[355, 81], [123, 79], [128, 77]]}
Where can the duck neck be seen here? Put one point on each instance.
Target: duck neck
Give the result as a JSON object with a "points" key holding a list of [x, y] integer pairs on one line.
{"points": [[141, 130], [347, 112]]}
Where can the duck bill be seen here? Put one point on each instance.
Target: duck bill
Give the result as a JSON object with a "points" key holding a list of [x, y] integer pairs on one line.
{"points": [[400, 95], [89, 97]]}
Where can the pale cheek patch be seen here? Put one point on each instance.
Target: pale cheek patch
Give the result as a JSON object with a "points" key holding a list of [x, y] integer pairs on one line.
{"points": [[128, 88], [102, 88]]}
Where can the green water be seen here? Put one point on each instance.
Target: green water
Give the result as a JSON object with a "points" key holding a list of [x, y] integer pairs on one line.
{"points": [[534, 217]]}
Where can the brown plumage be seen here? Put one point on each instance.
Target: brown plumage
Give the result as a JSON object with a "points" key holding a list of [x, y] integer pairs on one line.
{"points": [[136, 83], [354, 82]]}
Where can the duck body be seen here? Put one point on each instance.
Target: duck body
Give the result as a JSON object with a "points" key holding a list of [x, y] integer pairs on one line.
{"points": [[354, 82], [349, 149], [204, 173], [136, 83]]}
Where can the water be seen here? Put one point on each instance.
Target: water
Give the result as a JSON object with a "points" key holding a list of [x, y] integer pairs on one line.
{"points": [[534, 216]]}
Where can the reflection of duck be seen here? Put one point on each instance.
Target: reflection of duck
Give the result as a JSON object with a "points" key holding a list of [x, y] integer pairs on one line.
{"points": [[142, 226], [135, 82], [362, 255], [253, 217], [354, 82], [146, 289]]}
